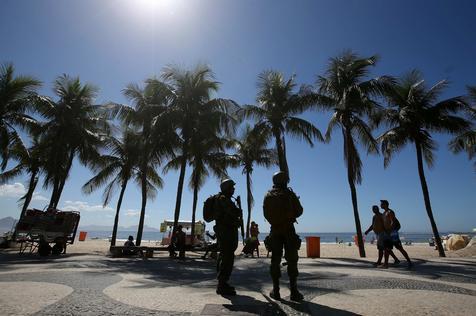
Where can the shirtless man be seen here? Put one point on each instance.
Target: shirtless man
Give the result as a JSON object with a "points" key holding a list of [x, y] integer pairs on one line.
{"points": [[378, 227], [392, 226]]}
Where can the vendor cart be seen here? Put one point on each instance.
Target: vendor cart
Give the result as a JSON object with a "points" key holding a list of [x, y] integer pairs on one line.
{"points": [[37, 227], [199, 240]]}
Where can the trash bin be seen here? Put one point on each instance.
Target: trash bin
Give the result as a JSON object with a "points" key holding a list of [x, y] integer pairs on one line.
{"points": [[82, 236], [313, 246]]}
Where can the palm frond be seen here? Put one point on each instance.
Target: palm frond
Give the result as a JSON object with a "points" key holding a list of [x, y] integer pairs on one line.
{"points": [[365, 135], [173, 164], [101, 178], [333, 123], [392, 141], [109, 191], [11, 174], [303, 129], [466, 142]]}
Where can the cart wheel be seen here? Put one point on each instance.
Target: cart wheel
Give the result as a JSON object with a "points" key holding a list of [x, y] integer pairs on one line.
{"points": [[44, 249], [57, 249]]}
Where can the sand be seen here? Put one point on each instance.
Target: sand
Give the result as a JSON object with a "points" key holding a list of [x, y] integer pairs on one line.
{"points": [[417, 251], [89, 280]]}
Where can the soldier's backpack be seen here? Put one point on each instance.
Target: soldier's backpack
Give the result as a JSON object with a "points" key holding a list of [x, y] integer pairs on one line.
{"points": [[209, 208], [279, 208]]}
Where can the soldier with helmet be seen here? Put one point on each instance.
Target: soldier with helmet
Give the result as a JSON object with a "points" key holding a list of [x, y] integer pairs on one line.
{"points": [[281, 207], [228, 219]]}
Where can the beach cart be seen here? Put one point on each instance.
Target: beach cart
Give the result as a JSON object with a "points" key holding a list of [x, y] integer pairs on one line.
{"points": [[36, 228]]}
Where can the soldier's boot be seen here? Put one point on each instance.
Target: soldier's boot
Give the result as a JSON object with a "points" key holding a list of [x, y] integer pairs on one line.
{"points": [[229, 286], [274, 294], [295, 294], [224, 288]]}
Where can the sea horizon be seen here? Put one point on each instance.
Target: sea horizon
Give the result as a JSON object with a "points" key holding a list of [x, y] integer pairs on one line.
{"points": [[329, 237]]}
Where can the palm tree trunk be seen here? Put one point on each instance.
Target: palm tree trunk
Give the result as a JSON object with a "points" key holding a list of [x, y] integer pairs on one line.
{"points": [[142, 210], [248, 195], [178, 200], [54, 192], [28, 196], [31, 189], [357, 219], [283, 141], [426, 197], [63, 180], [116, 218], [353, 192], [194, 209], [283, 164]]}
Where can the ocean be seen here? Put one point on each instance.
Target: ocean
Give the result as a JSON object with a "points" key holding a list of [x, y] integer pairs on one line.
{"points": [[328, 238]]}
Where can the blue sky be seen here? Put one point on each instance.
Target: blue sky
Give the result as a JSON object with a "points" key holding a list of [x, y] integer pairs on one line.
{"points": [[113, 43]]}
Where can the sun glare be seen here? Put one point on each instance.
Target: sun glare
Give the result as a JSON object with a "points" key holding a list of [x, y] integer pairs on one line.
{"points": [[167, 7]]}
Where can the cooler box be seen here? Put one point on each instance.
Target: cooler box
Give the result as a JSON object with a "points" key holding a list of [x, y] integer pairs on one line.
{"points": [[82, 236], [313, 247]]}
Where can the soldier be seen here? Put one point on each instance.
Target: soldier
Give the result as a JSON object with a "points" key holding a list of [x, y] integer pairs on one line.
{"points": [[281, 207], [228, 219]]}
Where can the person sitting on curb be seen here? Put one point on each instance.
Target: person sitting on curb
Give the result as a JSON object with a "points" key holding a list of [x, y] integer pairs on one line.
{"points": [[131, 250]]}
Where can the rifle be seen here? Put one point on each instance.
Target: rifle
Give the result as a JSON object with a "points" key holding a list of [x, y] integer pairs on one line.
{"points": [[238, 201]]}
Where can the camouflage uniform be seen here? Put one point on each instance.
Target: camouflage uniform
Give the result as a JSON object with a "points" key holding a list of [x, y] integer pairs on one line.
{"points": [[228, 219], [281, 208]]}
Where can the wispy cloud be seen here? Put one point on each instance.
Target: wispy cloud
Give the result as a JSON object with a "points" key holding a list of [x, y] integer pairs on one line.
{"points": [[15, 190], [84, 207], [132, 213], [39, 197]]}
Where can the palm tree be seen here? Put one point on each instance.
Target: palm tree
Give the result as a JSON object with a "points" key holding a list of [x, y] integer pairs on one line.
{"points": [[277, 110], [193, 106], [116, 169], [30, 161], [345, 91], [251, 150], [467, 140], [74, 127], [207, 154], [414, 113], [152, 117], [16, 95]]}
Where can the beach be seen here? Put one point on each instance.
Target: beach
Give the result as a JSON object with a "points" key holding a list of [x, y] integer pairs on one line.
{"points": [[327, 250], [88, 281]]}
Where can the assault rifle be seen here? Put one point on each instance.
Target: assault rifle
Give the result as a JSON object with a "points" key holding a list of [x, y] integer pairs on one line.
{"points": [[242, 225]]}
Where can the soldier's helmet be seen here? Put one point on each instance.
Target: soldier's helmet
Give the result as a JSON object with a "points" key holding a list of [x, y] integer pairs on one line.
{"points": [[280, 178], [227, 183]]}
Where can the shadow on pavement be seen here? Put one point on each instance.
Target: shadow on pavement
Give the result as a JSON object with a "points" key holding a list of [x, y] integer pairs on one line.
{"points": [[249, 305], [10, 258], [311, 308], [453, 271]]}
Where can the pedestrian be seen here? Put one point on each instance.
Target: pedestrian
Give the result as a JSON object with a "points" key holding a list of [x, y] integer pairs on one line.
{"points": [[382, 237], [281, 207], [254, 233], [228, 219], [180, 241], [212, 248], [392, 226]]}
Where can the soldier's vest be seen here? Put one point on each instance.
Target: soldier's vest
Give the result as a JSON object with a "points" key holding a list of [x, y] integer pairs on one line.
{"points": [[226, 213], [280, 208]]}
